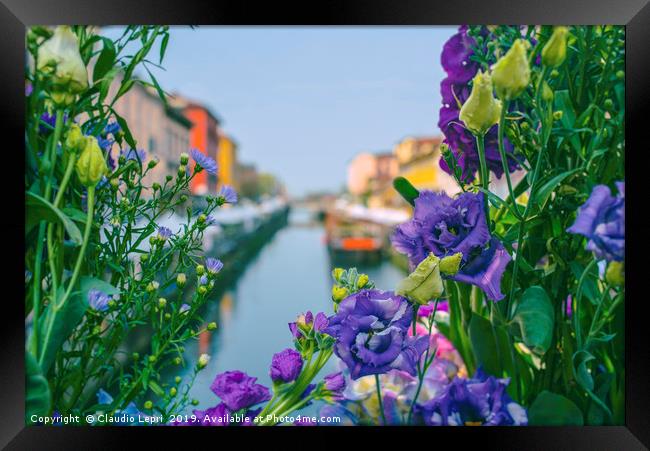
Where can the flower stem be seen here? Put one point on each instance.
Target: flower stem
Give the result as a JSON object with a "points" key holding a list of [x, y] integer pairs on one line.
{"points": [[504, 159], [381, 404], [484, 176]]}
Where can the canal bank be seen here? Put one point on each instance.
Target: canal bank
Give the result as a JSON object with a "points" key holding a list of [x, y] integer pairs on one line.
{"points": [[290, 275]]}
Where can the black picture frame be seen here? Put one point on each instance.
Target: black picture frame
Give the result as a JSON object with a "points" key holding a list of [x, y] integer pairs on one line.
{"points": [[15, 15]]}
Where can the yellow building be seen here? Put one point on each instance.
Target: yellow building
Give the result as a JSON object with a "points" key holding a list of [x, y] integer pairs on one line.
{"points": [[227, 160]]}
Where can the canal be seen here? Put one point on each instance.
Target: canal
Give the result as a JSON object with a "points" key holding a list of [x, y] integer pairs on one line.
{"points": [[290, 275]]}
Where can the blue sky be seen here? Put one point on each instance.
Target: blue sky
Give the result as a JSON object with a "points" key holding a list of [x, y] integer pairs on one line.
{"points": [[301, 102]]}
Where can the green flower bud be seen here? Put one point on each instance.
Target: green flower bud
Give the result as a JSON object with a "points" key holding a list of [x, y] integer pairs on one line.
{"points": [[181, 279], [451, 264], [148, 405], [59, 58], [177, 379], [183, 198], [620, 74], [557, 115], [615, 274], [481, 110], [152, 163], [162, 302], [135, 356], [337, 273], [423, 284], [525, 126], [339, 293], [172, 392], [185, 158], [75, 141], [168, 178], [91, 166], [212, 326], [362, 281], [200, 270], [202, 290], [151, 358], [554, 52], [511, 73], [195, 402], [201, 219], [608, 104], [547, 92], [144, 258], [555, 73], [155, 186], [153, 286], [203, 361], [178, 360], [168, 315]]}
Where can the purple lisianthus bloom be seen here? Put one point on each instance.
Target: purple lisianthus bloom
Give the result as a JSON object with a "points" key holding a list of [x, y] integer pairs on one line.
{"points": [[371, 334], [213, 416], [97, 300], [286, 366], [445, 226], [308, 321], [213, 265], [457, 62], [335, 384], [204, 161], [320, 322], [479, 401], [238, 390], [602, 220], [228, 194]]}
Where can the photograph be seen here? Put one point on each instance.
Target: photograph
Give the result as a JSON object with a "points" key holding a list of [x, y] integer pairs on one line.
{"points": [[324, 226]]}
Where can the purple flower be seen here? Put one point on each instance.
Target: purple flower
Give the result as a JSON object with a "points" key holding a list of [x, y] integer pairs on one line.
{"points": [[133, 154], [104, 143], [184, 308], [97, 300], [203, 280], [213, 416], [238, 390], [112, 128], [164, 233], [320, 322], [204, 161], [371, 334], [480, 401], [228, 194], [286, 366], [335, 384], [213, 265], [602, 220], [308, 322], [445, 226], [460, 68]]}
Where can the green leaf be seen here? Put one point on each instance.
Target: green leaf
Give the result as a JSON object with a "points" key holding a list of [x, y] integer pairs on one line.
{"points": [[485, 345], [550, 409], [406, 190], [39, 209], [57, 325], [125, 128], [535, 318], [37, 390], [582, 374], [105, 61], [545, 191]]}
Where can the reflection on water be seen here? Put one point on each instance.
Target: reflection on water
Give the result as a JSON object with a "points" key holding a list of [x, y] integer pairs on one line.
{"points": [[289, 276]]}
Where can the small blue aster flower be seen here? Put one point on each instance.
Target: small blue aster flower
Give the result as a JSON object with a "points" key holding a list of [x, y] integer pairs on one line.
{"points": [[98, 300], [213, 265], [112, 128], [203, 280], [204, 162], [227, 194], [184, 308], [133, 154], [103, 397], [104, 143], [209, 220], [164, 233]]}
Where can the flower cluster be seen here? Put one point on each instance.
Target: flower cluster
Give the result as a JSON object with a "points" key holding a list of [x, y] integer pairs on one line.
{"points": [[446, 226], [461, 69], [371, 333]]}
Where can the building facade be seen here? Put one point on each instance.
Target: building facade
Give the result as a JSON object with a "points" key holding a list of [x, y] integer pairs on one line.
{"points": [[227, 160], [163, 132]]}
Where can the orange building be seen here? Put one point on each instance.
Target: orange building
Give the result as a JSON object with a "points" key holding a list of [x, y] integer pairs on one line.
{"points": [[204, 137]]}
